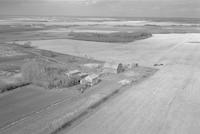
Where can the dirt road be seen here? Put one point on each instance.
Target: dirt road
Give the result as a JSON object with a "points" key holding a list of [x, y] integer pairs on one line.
{"points": [[167, 103]]}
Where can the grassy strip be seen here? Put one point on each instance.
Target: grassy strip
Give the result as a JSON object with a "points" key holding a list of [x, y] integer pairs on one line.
{"points": [[13, 86]]}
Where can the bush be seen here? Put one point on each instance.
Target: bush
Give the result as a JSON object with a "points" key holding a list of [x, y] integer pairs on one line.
{"points": [[74, 81], [32, 71], [27, 45]]}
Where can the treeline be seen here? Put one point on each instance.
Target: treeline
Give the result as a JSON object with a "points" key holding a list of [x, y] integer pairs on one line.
{"points": [[47, 75], [116, 37]]}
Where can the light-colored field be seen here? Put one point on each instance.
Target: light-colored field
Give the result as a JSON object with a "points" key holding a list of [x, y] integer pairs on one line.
{"points": [[167, 103], [145, 52]]}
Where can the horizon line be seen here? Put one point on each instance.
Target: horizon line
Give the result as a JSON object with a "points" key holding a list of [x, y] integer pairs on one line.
{"points": [[91, 16]]}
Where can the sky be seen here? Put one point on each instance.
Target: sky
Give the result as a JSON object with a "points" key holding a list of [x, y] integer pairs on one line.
{"points": [[119, 8]]}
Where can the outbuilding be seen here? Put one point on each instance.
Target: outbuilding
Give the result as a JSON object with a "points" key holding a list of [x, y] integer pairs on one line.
{"points": [[73, 73]]}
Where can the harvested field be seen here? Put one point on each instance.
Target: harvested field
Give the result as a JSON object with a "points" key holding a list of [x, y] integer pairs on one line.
{"points": [[167, 103], [145, 52]]}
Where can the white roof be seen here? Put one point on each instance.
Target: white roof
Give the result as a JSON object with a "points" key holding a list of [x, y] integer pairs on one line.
{"points": [[83, 74], [74, 72], [93, 76]]}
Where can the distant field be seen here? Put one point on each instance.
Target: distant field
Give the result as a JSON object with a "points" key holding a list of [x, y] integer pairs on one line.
{"points": [[91, 30], [114, 37], [142, 51]]}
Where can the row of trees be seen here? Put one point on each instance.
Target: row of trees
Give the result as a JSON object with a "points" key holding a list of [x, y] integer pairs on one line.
{"points": [[110, 37], [42, 73]]}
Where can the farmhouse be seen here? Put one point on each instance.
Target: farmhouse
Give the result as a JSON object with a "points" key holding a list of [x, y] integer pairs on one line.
{"points": [[90, 80]]}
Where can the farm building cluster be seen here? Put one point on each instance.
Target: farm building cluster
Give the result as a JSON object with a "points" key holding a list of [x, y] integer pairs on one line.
{"points": [[41, 72], [87, 80]]}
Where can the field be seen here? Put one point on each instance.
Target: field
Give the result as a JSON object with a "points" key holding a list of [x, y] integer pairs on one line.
{"points": [[165, 103], [162, 98], [145, 52], [29, 98], [18, 29]]}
